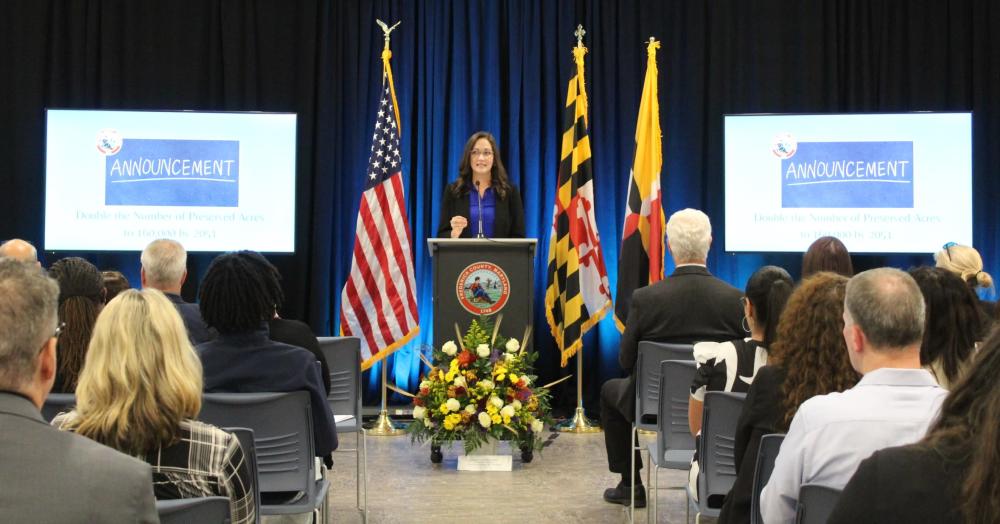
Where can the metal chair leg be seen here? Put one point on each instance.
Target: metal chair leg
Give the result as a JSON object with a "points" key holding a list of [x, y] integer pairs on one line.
{"points": [[364, 460], [357, 469], [631, 506]]}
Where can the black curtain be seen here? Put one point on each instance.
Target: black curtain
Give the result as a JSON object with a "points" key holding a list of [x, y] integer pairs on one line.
{"points": [[500, 66]]}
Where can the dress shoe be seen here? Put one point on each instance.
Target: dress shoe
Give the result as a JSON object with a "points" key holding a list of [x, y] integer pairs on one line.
{"points": [[622, 494]]}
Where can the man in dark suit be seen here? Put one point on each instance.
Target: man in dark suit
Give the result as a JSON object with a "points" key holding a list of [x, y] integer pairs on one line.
{"points": [[164, 267], [689, 306], [50, 475]]}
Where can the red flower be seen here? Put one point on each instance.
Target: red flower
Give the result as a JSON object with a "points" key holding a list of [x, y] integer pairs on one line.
{"points": [[466, 358], [418, 402], [459, 391], [424, 391]]}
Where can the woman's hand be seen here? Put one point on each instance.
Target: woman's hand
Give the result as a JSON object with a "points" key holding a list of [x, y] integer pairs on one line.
{"points": [[458, 224]]}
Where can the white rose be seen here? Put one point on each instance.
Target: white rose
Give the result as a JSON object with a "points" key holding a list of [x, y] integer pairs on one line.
{"points": [[470, 409], [496, 402], [449, 348], [419, 412], [513, 345], [486, 385], [484, 420], [453, 404], [537, 426], [428, 422], [507, 411], [526, 380], [516, 404], [483, 351], [509, 357], [460, 381]]}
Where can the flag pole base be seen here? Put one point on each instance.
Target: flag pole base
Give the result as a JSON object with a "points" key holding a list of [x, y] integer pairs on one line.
{"points": [[384, 426], [578, 424]]}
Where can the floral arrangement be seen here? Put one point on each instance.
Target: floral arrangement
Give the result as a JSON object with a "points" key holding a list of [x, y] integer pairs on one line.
{"points": [[480, 388]]}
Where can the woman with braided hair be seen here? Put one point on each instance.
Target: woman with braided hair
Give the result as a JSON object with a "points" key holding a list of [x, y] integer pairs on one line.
{"points": [[81, 297]]}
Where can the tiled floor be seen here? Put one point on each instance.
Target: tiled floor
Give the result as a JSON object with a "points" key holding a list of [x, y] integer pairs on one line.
{"points": [[564, 483]]}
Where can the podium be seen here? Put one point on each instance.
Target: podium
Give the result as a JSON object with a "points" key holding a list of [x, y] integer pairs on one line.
{"points": [[479, 276]]}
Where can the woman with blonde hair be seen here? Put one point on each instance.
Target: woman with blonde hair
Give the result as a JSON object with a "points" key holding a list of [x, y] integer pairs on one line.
{"points": [[966, 262], [140, 390]]}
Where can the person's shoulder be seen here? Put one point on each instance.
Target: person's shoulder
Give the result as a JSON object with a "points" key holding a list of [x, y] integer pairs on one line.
{"points": [[198, 431], [705, 351]]}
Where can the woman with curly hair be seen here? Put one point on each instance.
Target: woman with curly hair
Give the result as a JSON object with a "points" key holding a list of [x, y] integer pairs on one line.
{"points": [[808, 358]]}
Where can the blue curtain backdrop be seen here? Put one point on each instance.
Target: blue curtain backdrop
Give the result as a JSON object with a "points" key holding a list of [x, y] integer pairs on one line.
{"points": [[501, 66]]}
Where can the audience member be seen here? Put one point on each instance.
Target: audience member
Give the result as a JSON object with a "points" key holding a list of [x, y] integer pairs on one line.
{"points": [[893, 404], [81, 297], [139, 339], [807, 358], [238, 300], [731, 366], [953, 474], [19, 250], [955, 323], [291, 332], [827, 254], [689, 306], [164, 267], [966, 262], [48, 475], [114, 283]]}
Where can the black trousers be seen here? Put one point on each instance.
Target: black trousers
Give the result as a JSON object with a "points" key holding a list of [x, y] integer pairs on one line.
{"points": [[618, 428]]}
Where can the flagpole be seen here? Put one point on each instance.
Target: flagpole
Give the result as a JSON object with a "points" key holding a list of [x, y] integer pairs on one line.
{"points": [[579, 423], [384, 426]]}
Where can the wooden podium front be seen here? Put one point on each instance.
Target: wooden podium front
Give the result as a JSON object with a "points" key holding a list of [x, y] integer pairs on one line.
{"points": [[482, 276]]}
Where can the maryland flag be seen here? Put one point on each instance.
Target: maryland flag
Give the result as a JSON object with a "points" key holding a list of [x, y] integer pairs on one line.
{"points": [[578, 294], [641, 260]]}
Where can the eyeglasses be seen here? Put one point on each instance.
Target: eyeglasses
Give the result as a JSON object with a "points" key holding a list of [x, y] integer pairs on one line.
{"points": [[947, 248], [484, 153], [59, 330], [744, 301]]}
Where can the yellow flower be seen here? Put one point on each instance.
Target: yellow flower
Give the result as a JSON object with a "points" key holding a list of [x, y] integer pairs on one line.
{"points": [[500, 377], [513, 378], [449, 376], [506, 420], [496, 419], [440, 375], [443, 409], [491, 409], [499, 370], [448, 425]]}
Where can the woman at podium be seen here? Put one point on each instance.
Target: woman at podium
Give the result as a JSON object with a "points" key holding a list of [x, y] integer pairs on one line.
{"points": [[481, 202]]}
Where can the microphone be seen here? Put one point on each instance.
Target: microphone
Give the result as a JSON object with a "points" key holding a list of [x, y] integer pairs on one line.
{"points": [[479, 204]]}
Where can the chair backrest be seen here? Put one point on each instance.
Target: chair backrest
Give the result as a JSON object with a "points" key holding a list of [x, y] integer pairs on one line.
{"points": [[675, 390], [282, 430], [647, 378], [768, 451], [57, 403], [245, 436], [816, 503], [201, 510], [717, 449], [343, 358]]}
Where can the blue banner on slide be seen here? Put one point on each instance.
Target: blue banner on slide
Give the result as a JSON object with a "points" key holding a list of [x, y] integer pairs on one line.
{"points": [[148, 172], [848, 174]]}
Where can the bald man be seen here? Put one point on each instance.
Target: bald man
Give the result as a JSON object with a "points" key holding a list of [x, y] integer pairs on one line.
{"points": [[19, 250]]}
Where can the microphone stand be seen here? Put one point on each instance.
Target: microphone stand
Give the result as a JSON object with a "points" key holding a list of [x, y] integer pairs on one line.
{"points": [[479, 205]]}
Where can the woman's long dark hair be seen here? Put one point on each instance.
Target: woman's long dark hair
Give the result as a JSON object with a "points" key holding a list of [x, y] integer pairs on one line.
{"points": [[954, 321], [768, 290], [968, 431], [810, 346], [81, 295], [498, 179]]}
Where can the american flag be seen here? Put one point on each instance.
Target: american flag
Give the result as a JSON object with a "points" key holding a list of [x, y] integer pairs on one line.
{"points": [[379, 301]]}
